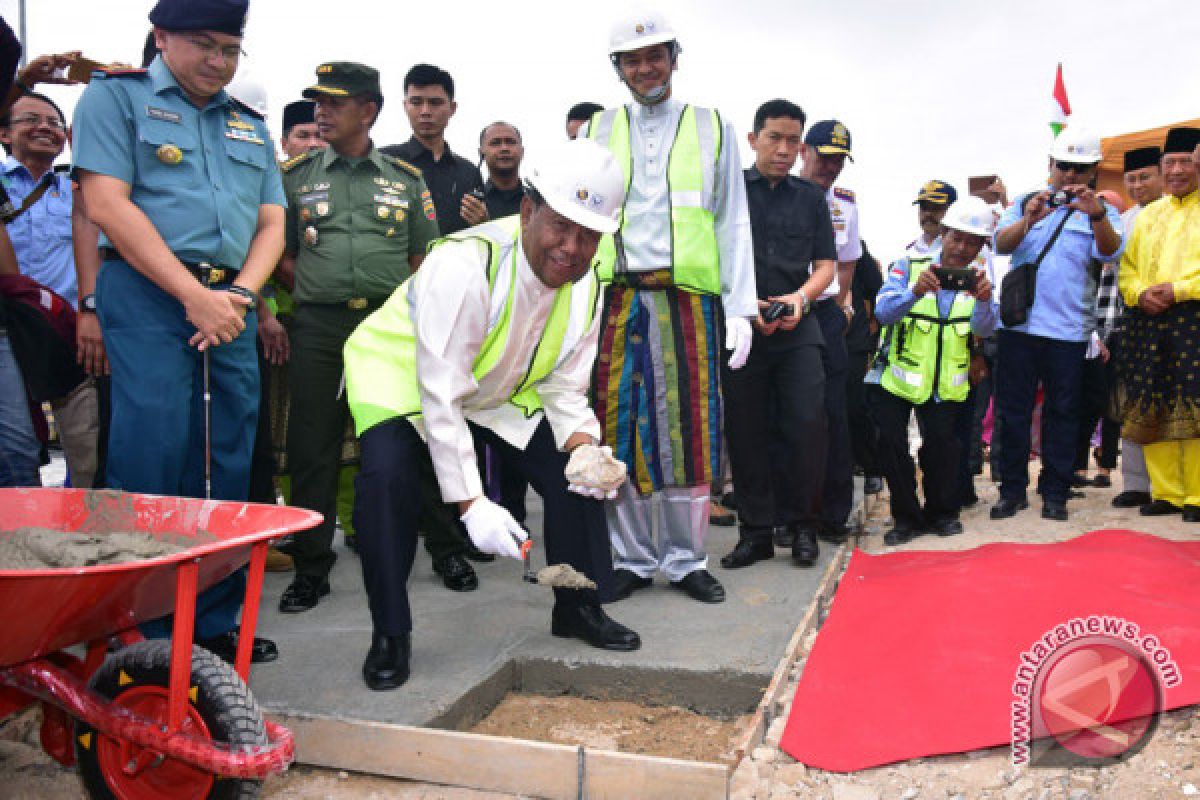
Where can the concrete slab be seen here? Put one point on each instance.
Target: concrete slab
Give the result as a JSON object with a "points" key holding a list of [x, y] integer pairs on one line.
{"points": [[502, 631]]}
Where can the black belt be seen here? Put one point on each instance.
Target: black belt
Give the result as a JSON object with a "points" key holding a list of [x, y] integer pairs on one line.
{"points": [[203, 271]]}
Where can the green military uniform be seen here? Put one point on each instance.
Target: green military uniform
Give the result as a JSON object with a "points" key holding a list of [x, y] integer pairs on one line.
{"points": [[352, 224]]}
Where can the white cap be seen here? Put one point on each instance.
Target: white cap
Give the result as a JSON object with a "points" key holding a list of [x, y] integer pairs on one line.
{"points": [[972, 215], [1077, 146], [639, 29], [582, 181]]}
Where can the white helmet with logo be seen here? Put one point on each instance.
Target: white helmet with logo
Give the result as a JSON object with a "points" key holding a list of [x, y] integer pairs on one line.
{"points": [[971, 215], [635, 31], [1076, 146], [582, 181]]}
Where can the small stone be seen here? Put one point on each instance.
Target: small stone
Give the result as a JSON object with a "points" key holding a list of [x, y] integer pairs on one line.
{"points": [[764, 755], [1190, 790], [791, 774], [910, 793]]}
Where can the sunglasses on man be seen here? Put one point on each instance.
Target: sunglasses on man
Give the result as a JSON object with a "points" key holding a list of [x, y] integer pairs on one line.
{"points": [[1068, 166]]}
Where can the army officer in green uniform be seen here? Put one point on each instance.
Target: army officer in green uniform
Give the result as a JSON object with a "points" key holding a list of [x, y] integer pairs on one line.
{"points": [[358, 223]]}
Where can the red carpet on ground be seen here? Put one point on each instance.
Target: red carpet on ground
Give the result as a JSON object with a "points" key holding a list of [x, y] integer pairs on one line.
{"points": [[920, 651]]}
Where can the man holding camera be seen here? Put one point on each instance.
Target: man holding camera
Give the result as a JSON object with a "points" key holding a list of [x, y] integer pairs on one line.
{"points": [[933, 304], [778, 396], [1058, 232]]}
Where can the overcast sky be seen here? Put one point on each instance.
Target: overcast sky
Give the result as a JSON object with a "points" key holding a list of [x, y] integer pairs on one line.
{"points": [[928, 88]]}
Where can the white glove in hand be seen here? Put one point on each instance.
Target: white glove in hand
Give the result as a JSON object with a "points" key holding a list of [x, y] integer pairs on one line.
{"points": [[739, 335], [493, 530], [593, 472]]}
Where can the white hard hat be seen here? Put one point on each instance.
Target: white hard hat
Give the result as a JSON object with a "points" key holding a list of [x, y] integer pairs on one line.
{"points": [[639, 29], [246, 88], [971, 215], [1077, 146], [582, 181]]}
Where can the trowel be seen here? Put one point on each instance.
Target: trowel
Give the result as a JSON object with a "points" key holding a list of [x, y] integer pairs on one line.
{"points": [[561, 576]]}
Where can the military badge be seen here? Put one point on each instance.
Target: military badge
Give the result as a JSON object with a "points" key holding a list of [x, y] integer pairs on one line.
{"points": [[169, 154]]}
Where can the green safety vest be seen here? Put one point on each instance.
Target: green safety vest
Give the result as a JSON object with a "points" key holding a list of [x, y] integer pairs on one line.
{"points": [[927, 350], [381, 354], [691, 186]]}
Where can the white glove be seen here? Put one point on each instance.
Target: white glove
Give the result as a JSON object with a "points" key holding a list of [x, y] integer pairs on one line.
{"points": [[493, 530], [738, 338]]}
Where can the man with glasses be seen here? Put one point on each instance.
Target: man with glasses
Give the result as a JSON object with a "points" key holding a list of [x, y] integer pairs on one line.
{"points": [[1050, 346], [182, 180]]}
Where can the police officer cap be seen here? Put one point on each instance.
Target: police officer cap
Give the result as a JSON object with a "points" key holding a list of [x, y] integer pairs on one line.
{"points": [[829, 137], [344, 79], [1181, 140], [222, 16], [1142, 157], [300, 112], [938, 193]]}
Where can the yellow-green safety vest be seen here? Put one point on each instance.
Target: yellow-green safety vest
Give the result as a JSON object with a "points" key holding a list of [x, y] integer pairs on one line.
{"points": [[691, 185], [926, 350], [381, 354]]}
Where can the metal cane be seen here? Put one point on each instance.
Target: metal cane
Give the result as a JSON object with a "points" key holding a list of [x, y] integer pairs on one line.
{"points": [[207, 429]]}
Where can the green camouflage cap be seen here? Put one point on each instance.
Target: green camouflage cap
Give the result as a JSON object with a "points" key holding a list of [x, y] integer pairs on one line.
{"points": [[344, 79]]}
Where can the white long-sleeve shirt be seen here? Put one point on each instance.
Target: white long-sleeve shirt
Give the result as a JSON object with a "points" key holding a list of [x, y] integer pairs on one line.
{"points": [[646, 232], [452, 313]]}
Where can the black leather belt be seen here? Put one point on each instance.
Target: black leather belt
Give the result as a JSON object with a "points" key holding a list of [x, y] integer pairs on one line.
{"points": [[208, 274]]}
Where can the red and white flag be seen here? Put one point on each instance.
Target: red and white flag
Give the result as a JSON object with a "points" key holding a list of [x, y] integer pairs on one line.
{"points": [[1061, 107]]}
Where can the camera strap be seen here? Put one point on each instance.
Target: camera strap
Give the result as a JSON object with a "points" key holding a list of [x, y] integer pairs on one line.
{"points": [[1053, 238]]}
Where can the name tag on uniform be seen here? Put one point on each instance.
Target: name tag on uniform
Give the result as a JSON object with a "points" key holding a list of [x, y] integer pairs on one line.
{"points": [[309, 198], [163, 114]]}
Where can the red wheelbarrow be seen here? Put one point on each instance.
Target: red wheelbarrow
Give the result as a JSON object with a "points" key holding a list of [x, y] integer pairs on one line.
{"points": [[150, 718]]}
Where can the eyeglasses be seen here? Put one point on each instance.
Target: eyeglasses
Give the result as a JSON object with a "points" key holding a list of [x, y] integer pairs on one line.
{"points": [[36, 120], [1067, 166], [230, 52]]}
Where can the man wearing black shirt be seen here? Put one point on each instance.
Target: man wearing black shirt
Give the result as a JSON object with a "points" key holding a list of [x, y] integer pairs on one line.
{"points": [[429, 104], [775, 406], [501, 149]]}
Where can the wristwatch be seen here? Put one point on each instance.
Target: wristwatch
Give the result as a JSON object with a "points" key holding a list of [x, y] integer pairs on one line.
{"points": [[246, 293], [88, 303], [805, 304]]}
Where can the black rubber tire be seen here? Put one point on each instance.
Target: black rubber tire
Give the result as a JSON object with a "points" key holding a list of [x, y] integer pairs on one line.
{"points": [[223, 701]]}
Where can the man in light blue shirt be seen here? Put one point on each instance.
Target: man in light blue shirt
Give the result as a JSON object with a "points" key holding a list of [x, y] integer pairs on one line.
{"points": [[1049, 347]]}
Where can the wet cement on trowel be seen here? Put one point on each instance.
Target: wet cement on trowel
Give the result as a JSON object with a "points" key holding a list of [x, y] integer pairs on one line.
{"points": [[46, 548], [564, 576]]}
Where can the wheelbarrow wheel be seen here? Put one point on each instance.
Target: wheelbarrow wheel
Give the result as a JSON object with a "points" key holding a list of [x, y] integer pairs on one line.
{"points": [[220, 709]]}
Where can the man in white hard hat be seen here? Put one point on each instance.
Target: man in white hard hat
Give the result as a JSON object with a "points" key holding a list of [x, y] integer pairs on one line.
{"points": [[681, 262], [932, 304], [496, 336], [1070, 228]]}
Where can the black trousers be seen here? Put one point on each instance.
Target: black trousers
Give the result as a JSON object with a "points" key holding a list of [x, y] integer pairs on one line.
{"points": [[1094, 404], [262, 460], [864, 435], [837, 496], [775, 435], [939, 457], [388, 501]]}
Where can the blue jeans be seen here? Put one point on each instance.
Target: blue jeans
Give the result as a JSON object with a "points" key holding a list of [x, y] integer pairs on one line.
{"points": [[1023, 361], [19, 447], [156, 437]]}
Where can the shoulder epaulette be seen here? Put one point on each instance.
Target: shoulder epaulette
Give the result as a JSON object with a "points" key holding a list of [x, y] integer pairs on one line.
{"points": [[119, 72], [843, 194], [402, 164], [245, 109], [292, 163]]}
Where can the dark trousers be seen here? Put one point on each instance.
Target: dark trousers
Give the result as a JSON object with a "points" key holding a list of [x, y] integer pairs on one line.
{"points": [[262, 461], [317, 425], [388, 501], [864, 434], [775, 435], [838, 494], [968, 429], [939, 457], [1093, 409], [1023, 361]]}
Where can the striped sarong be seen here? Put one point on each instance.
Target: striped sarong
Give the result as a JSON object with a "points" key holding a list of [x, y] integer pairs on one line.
{"points": [[1158, 374], [656, 383]]}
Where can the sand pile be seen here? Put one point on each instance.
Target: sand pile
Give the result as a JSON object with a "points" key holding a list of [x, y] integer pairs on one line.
{"points": [[43, 548]]}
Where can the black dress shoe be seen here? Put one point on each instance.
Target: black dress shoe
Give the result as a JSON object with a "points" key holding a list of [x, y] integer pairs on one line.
{"points": [[804, 548], [1159, 508], [626, 582], [225, 648], [1102, 481], [1191, 513], [747, 552], [590, 623], [1006, 507], [475, 554], [386, 666], [872, 484], [1075, 494], [457, 574], [1131, 499], [947, 526], [302, 594], [901, 534], [833, 532], [701, 585], [1054, 511], [783, 536]]}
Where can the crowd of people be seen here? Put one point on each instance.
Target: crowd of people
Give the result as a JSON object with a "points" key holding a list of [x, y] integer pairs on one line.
{"points": [[387, 338]]}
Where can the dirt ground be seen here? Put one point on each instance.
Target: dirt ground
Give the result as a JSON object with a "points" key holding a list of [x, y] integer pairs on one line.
{"points": [[1166, 768], [616, 725]]}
